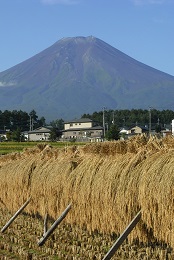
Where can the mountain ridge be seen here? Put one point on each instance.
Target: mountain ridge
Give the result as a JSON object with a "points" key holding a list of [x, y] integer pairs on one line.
{"points": [[78, 75]]}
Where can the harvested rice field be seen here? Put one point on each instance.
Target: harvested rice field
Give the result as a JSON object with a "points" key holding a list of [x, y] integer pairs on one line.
{"points": [[68, 242], [106, 183]]}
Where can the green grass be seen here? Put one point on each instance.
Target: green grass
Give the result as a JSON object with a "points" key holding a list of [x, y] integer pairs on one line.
{"points": [[10, 147]]}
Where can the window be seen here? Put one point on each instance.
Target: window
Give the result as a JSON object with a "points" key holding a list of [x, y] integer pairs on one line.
{"points": [[71, 124]]}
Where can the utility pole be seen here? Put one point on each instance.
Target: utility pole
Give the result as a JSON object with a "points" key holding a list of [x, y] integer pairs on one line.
{"points": [[30, 122], [150, 121], [113, 120], [104, 122]]}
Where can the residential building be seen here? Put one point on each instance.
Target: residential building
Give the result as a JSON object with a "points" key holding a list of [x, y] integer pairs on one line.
{"points": [[40, 134], [126, 133], [138, 130], [3, 135], [83, 129]]}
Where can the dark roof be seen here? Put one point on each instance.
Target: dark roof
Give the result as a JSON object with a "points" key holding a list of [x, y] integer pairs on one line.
{"points": [[2, 131], [81, 120]]}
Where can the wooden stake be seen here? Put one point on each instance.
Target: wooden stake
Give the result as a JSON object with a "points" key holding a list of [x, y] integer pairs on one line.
{"points": [[15, 216], [123, 236], [53, 227]]}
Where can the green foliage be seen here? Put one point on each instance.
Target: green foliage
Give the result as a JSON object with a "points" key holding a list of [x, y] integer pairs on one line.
{"points": [[132, 117], [42, 121], [113, 133], [59, 123], [13, 120], [9, 136], [17, 136], [54, 134], [157, 128], [34, 121], [33, 115]]}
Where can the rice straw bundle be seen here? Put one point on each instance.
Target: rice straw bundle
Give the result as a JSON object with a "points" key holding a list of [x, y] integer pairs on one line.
{"points": [[107, 183]]}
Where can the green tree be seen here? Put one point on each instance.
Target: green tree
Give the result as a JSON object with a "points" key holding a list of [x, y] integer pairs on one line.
{"points": [[42, 121], [17, 135], [54, 134], [19, 119], [113, 133], [34, 121], [33, 115], [157, 128], [9, 136], [59, 123]]}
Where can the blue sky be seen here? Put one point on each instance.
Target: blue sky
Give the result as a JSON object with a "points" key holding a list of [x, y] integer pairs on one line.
{"points": [[143, 29]]}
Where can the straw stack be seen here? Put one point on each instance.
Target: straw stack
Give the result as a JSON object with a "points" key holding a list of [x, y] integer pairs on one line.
{"points": [[107, 184]]}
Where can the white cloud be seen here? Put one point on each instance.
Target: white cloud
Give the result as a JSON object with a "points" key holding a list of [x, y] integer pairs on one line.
{"points": [[64, 2], [7, 84]]}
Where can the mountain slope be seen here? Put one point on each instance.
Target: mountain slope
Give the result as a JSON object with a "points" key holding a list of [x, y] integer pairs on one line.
{"points": [[81, 75]]}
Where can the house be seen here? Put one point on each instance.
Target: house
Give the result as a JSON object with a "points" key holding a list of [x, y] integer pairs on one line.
{"points": [[40, 134], [3, 135], [167, 130], [138, 130], [126, 133], [83, 129], [25, 135]]}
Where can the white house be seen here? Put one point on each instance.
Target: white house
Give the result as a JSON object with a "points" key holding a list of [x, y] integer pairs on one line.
{"points": [[3, 135], [40, 134], [173, 127]]}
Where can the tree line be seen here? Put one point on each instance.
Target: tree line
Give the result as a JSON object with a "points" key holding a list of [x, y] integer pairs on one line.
{"points": [[114, 120], [129, 118], [13, 120], [19, 121], [25, 121]]}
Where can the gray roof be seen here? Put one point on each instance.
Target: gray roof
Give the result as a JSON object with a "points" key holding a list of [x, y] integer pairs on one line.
{"points": [[81, 120], [43, 129]]}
